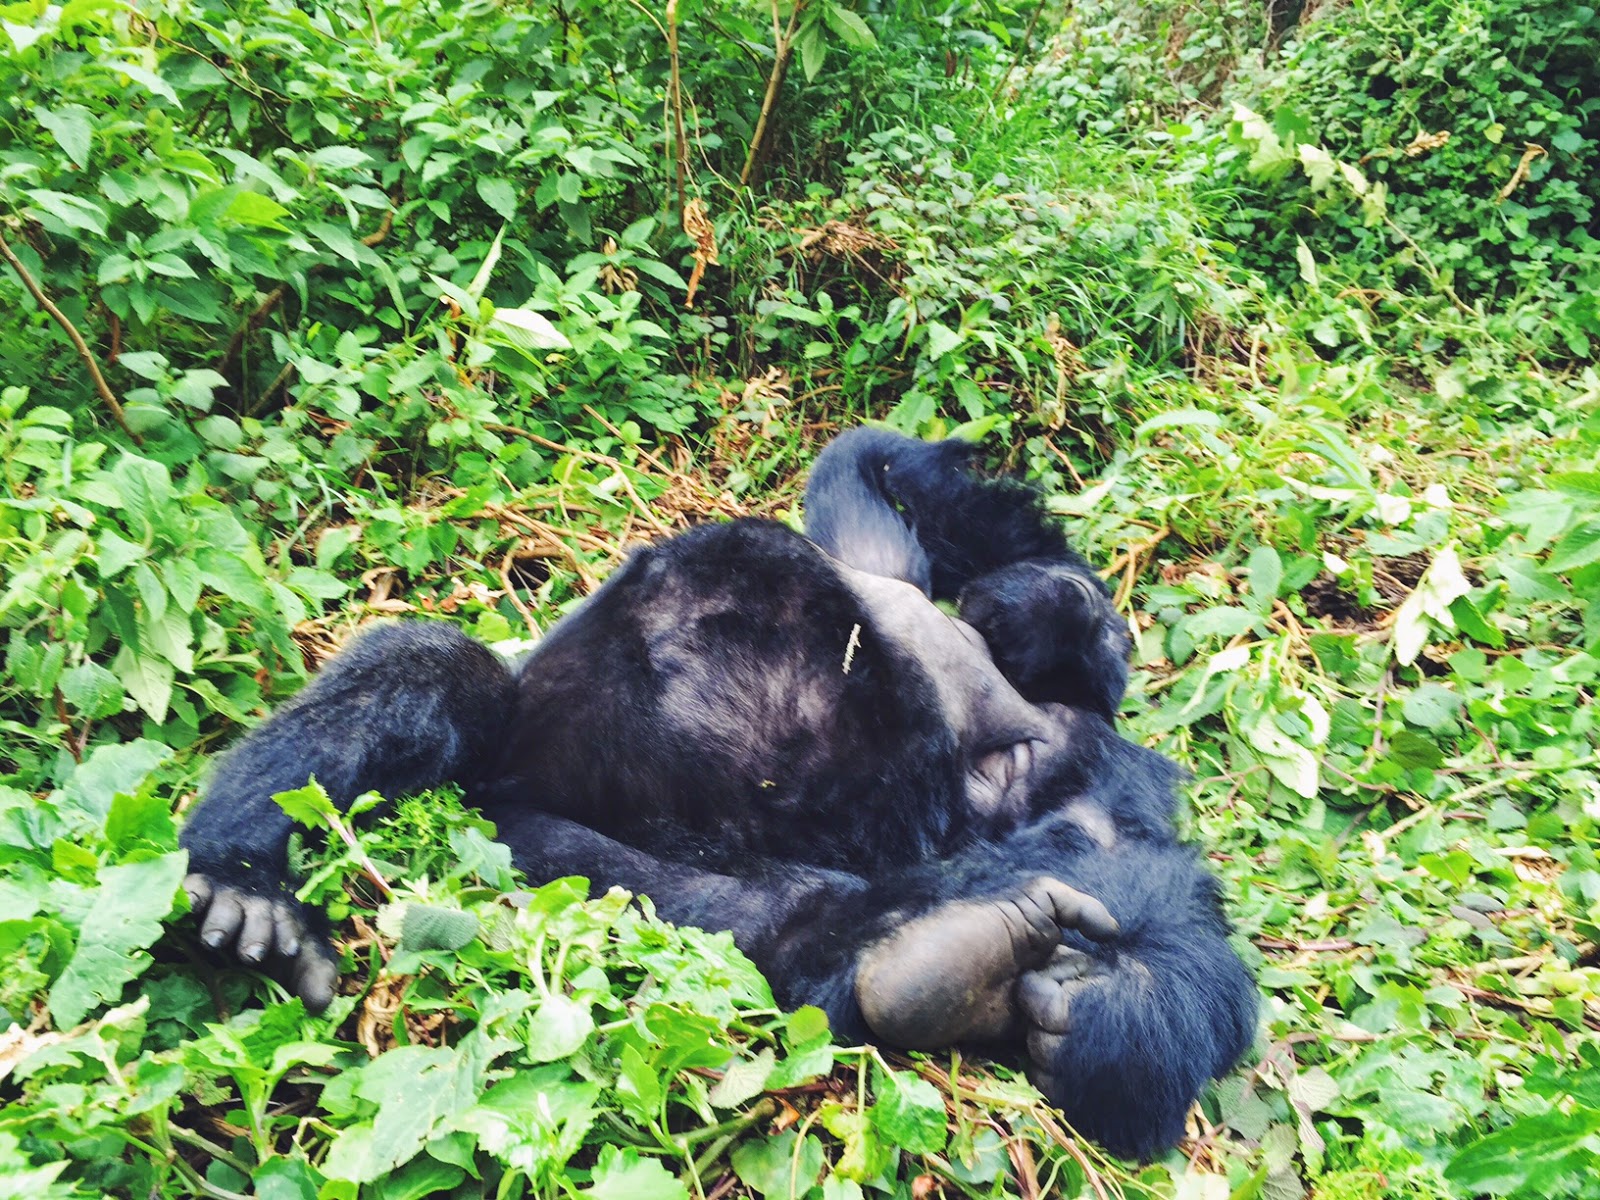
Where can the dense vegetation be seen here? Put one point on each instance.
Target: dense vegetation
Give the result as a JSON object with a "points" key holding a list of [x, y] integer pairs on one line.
{"points": [[315, 312]]}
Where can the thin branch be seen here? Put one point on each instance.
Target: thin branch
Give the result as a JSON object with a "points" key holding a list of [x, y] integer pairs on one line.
{"points": [[87, 355], [782, 48], [675, 99]]}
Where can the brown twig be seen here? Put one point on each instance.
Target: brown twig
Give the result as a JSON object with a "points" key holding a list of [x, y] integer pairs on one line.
{"points": [[511, 594], [593, 456], [675, 102], [71, 330], [783, 48]]}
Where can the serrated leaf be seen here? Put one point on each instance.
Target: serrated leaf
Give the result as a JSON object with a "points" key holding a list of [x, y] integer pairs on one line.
{"points": [[744, 1079], [123, 921], [433, 927], [621, 1174], [941, 339], [909, 1112]]}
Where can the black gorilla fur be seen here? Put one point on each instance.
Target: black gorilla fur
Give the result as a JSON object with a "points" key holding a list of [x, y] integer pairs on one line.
{"points": [[783, 737]]}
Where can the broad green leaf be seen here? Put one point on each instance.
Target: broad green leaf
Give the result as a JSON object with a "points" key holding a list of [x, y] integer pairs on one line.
{"points": [[941, 339], [557, 1028], [130, 902], [909, 1112], [498, 194], [621, 1174], [527, 328], [780, 1168], [813, 48], [1266, 577], [433, 927], [64, 213], [745, 1079], [71, 127], [851, 29]]}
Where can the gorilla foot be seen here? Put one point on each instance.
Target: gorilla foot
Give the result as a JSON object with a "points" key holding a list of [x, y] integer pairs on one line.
{"points": [[952, 975], [255, 930], [1044, 1004]]}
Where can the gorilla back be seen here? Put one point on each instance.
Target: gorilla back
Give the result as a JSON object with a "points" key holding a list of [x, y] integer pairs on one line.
{"points": [[927, 826]]}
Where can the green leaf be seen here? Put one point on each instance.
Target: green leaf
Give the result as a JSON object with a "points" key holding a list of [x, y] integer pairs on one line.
{"points": [[72, 130], [621, 1174], [528, 329], [499, 195], [852, 30], [813, 49], [123, 921], [1431, 706], [1266, 577], [339, 158], [433, 927], [909, 1112], [1585, 485], [780, 1168], [744, 1079], [1527, 1153], [255, 211], [941, 339], [62, 213], [150, 81], [1189, 418], [558, 1027]]}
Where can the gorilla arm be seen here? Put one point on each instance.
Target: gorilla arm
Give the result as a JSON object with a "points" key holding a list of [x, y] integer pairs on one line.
{"points": [[404, 707]]}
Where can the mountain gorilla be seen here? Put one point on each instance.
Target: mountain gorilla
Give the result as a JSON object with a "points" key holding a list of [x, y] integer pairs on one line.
{"points": [[927, 826]]}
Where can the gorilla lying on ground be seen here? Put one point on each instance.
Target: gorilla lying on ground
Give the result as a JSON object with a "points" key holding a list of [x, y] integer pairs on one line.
{"points": [[926, 826]]}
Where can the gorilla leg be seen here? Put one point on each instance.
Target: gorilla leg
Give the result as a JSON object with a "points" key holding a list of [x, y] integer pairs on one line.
{"points": [[1123, 1034], [404, 707], [894, 959]]}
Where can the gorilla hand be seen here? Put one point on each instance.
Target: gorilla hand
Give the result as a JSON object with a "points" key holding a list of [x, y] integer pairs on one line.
{"points": [[951, 975], [1053, 632], [273, 930]]}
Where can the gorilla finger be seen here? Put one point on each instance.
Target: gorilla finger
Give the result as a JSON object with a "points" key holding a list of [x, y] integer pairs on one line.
{"points": [[1045, 1002], [1067, 964], [1042, 1050], [255, 931], [222, 920], [1080, 911], [316, 974], [198, 888], [285, 929]]}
